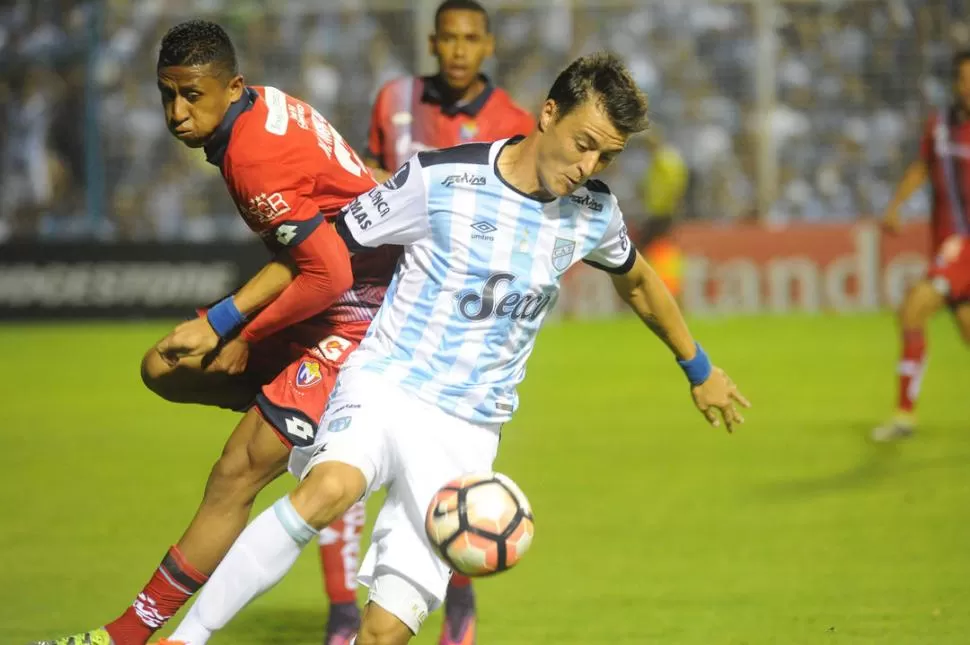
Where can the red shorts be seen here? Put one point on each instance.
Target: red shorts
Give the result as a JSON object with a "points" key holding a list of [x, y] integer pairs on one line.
{"points": [[950, 271], [294, 371]]}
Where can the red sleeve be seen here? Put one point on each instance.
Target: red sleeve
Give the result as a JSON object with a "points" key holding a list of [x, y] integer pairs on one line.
{"points": [[375, 135], [926, 141], [278, 204], [325, 274]]}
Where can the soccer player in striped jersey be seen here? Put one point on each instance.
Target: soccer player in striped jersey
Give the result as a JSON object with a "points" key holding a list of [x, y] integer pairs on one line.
{"points": [[944, 159], [457, 105], [488, 231]]}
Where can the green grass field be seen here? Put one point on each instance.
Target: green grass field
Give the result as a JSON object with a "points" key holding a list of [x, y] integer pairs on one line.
{"points": [[651, 526]]}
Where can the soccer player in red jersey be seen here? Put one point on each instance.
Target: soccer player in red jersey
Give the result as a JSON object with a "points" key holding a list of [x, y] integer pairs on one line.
{"points": [[457, 105], [945, 160], [274, 347]]}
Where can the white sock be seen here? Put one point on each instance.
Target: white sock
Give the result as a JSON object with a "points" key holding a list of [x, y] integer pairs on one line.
{"points": [[259, 558]]}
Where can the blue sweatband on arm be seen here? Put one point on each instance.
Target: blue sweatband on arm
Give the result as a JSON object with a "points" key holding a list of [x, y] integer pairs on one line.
{"points": [[697, 369], [224, 317]]}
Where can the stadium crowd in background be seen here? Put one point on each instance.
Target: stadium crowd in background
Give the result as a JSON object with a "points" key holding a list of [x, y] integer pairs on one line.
{"points": [[844, 71]]}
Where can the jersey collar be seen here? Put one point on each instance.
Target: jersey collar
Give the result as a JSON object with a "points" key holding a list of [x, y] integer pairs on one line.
{"points": [[432, 93], [215, 147]]}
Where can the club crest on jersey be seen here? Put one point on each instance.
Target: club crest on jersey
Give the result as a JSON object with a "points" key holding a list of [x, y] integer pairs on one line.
{"points": [[309, 374], [562, 253], [339, 425], [468, 131]]}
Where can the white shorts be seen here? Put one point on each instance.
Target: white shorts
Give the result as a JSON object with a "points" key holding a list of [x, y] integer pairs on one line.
{"points": [[410, 447]]}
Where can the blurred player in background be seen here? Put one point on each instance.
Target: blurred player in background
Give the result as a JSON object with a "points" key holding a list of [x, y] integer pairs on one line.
{"points": [[274, 347], [457, 105], [945, 160], [662, 191]]}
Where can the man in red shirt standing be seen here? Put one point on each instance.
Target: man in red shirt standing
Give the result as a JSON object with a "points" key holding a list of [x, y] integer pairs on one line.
{"points": [[457, 105], [273, 348], [945, 160]]}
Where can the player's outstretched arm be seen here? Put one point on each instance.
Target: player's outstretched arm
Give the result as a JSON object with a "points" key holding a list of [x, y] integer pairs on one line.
{"points": [[713, 391], [198, 337]]}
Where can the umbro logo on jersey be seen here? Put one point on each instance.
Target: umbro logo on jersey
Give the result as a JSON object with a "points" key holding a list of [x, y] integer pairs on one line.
{"points": [[484, 227], [464, 179], [483, 231]]}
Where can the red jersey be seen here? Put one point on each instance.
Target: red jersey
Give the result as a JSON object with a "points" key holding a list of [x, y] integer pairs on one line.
{"points": [[945, 148], [289, 171], [410, 115]]}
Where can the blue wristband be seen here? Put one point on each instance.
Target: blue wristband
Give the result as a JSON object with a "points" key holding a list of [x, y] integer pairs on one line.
{"points": [[697, 369], [224, 317]]}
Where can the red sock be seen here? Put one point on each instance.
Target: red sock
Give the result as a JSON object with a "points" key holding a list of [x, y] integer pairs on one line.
{"points": [[340, 555], [173, 583], [459, 581], [911, 367]]}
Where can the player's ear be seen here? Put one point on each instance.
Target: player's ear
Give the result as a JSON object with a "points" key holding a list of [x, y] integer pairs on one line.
{"points": [[431, 44], [237, 86], [547, 115]]}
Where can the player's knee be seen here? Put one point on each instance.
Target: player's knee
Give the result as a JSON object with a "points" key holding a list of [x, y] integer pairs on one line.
{"points": [[327, 492], [922, 301], [156, 374]]}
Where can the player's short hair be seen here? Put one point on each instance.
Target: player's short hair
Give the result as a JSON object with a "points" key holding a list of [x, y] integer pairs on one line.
{"points": [[603, 77], [461, 5], [959, 59], [198, 42]]}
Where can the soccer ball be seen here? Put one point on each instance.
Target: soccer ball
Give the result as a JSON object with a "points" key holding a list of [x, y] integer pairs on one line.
{"points": [[480, 524]]}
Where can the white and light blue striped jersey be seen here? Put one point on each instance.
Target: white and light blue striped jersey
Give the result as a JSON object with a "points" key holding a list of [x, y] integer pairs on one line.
{"points": [[481, 269]]}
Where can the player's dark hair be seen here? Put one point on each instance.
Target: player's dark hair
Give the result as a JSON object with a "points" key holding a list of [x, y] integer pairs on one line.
{"points": [[603, 77], [198, 42], [461, 5], [959, 59]]}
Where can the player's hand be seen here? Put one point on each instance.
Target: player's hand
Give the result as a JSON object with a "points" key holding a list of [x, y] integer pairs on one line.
{"points": [[192, 338], [716, 397], [232, 357], [890, 221]]}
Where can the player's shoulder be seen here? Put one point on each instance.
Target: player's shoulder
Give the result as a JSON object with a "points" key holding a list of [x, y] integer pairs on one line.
{"points": [[262, 137], [395, 87], [505, 101], [474, 154]]}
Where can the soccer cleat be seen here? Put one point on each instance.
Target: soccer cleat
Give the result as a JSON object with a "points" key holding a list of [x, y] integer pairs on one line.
{"points": [[899, 427], [98, 636], [165, 641], [458, 632], [343, 624], [339, 637]]}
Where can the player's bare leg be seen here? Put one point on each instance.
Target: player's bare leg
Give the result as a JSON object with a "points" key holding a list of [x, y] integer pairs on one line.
{"points": [[921, 302], [269, 547], [191, 382], [381, 627], [253, 457]]}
